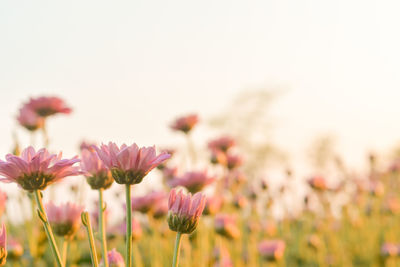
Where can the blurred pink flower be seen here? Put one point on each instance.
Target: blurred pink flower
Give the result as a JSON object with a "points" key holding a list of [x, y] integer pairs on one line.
{"points": [[318, 183], [97, 174], [222, 258], [129, 164], [65, 218], [136, 229], [115, 259], [225, 225], [184, 211], [14, 250], [213, 204], [3, 245], [148, 202], [170, 173], [223, 143], [160, 209], [3, 201], [36, 170], [194, 181], [29, 119], [376, 188], [185, 124], [240, 201], [390, 249], [233, 161], [87, 146], [46, 106], [218, 157], [272, 250]]}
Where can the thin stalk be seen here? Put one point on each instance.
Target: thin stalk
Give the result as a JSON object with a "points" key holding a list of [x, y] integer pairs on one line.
{"points": [[43, 217], [86, 222], [102, 227], [192, 150], [65, 251], [177, 249], [45, 136], [128, 258]]}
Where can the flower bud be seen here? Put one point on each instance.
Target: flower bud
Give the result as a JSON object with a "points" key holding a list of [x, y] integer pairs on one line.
{"points": [[184, 211]]}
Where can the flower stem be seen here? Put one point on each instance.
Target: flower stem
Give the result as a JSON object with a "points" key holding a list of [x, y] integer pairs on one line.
{"points": [[86, 222], [65, 251], [102, 227], [177, 249], [128, 258], [47, 228]]}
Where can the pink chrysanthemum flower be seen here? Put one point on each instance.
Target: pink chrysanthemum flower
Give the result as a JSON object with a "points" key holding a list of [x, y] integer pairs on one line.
{"points": [[29, 119], [130, 164], [225, 225], [65, 218], [223, 143], [149, 202], [272, 250], [115, 259], [194, 181], [3, 201], [3, 245], [185, 124], [184, 211], [96, 173], [36, 170], [46, 106]]}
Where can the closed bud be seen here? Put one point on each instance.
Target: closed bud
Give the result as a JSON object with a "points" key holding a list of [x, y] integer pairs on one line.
{"points": [[184, 211]]}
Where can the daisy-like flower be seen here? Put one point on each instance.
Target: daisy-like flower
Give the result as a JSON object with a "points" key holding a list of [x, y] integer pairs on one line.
{"points": [[65, 218], [272, 250], [36, 170], [3, 245], [115, 259], [29, 119], [184, 211], [185, 124], [194, 181], [223, 143], [46, 106], [96, 173], [129, 164]]}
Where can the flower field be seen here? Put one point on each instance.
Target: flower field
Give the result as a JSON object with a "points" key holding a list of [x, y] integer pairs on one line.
{"points": [[208, 209]]}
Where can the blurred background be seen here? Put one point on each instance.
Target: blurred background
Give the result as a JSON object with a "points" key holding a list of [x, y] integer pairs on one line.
{"points": [[129, 67]]}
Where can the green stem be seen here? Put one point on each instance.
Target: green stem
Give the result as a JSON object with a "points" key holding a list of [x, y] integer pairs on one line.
{"points": [[65, 251], [128, 257], [47, 228], [45, 136], [102, 227], [86, 223], [177, 249]]}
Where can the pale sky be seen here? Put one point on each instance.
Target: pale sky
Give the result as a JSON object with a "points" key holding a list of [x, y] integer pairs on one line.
{"points": [[129, 67]]}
